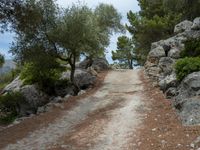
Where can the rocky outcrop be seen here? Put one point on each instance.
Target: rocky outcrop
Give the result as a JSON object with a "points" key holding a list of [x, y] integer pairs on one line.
{"points": [[15, 85], [83, 78], [160, 68], [37, 101], [98, 64], [34, 99], [183, 26]]}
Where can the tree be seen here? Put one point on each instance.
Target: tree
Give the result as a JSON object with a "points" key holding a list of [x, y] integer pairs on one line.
{"points": [[2, 60], [32, 47], [8, 9], [43, 28], [155, 21], [82, 31], [125, 51]]}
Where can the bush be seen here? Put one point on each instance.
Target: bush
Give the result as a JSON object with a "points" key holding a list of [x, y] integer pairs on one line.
{"points": [[192, 48], [186, 66], [10, 106], [44, 76]]}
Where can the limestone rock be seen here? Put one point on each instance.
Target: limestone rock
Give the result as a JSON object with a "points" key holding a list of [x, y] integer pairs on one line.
{"points": [[183, 26], [100, 64], [34, 99], [171, 92], [82, 77], [158, 52], [190, 112], [166, 65], [15, 85], [168, 81], [189, 87], [196, 24], [174, 53]]}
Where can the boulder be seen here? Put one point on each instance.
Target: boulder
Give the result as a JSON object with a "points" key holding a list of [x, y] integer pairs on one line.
{"points": [[196, 24], [174, 53], [15, 85], [157, 52], [92, 71], [34, 99], [171, 92], [168, 82], [183, 26], [82, 77], [100, 64], [166, 65], [153, 73], [190, 111], [85, 64], [189, 87]]}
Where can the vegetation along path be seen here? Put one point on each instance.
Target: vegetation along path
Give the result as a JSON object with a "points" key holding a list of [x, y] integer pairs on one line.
{"points": [[117, 116]]}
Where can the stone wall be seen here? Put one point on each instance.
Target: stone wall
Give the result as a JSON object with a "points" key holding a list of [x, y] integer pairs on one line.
{"points": [[160, 69]]}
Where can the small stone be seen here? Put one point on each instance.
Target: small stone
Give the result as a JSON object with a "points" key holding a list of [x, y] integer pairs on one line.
{"points": [[154, 129]]}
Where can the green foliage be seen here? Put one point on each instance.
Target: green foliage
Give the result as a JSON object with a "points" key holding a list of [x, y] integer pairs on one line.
{"points": [[125, 53], [186, 66], [2, 60], [45, 75], [192, 48], [10, 106]]}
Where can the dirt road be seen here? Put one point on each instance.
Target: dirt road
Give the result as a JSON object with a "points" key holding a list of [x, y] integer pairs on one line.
{"points": [[106, 120], [125, 113]]}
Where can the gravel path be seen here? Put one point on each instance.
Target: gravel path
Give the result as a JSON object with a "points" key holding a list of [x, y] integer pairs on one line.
{"points": [[106, 120]]}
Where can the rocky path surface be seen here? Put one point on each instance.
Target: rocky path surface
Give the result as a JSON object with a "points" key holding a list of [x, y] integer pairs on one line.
{"points": [[125, 113], [106, 120]]}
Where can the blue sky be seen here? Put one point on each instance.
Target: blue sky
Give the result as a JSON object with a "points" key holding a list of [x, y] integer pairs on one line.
{"points": [[122, 6]]}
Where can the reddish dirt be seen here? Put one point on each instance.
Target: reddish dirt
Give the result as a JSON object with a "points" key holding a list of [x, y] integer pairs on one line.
{"points": [[162, 129]]}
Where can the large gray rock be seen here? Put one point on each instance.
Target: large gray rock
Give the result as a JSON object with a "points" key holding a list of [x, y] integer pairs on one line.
{"points": [[183, 26], [168, 82], [34, 99], [196, 24], [157, 52], [15, 85], [190, 111], [82, 77], [174, 53], [189, 87], [166, 65], [85, 64], [100, 64]]}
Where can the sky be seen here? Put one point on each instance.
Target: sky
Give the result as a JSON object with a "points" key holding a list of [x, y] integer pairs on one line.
{"points": [[122, 6]]}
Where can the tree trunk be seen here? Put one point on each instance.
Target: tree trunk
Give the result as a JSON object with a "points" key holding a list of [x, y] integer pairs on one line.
{"points": [[130, 63], [73, 68]]}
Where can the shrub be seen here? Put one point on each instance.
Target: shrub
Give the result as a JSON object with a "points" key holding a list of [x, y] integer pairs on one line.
{"points": [[192, 48], [44, 76], [10, 106], [186, 66]]}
